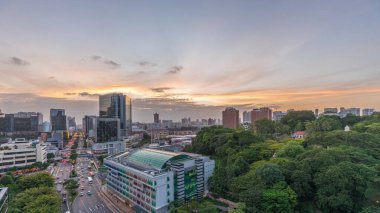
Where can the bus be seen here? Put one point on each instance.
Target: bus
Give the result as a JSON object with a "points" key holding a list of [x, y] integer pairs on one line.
{"points": [[89, 180]]}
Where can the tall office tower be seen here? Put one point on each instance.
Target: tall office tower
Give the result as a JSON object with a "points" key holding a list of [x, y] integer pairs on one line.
{"points": [[108, 129], [246, 117], [89, 123], [230, 118], [156, 118], [117, 105], [71, 124], [57, 119], [262, 113], [367, 111]]}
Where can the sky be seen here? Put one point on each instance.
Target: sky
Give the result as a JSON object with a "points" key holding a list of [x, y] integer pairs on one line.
{"points": [[189, 58]]}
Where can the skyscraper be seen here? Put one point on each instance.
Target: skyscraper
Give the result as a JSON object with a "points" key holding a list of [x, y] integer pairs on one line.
{"points": [[246, 117], [57, 119], [230, 118], [71, 124], [117, 105], [156, 118], [262, 113], [90, 125]]}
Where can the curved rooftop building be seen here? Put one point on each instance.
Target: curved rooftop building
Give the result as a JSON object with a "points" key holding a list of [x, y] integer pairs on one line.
{"points": [[150, 180]]}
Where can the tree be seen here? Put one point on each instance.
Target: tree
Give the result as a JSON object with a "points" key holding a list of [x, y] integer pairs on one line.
{"points": [[41, 199], [269, 174], [240, 166], [279, 198], [341, 187], [6, 180], [324, 123], [295, 119], [241, 208], [50, 156], [36, 180], [291, 150], [370, 209], [265, 127]]}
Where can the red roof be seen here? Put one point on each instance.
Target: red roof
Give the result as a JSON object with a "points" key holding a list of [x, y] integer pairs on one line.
{"points": [[299, 133]]}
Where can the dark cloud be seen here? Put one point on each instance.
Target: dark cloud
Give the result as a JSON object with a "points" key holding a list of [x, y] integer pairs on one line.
{"points": [[69, 93], [51, 77], [107, 62], [175, 70], [160, 89], [112, 64], [147, 63], [18, 61], [141, 72], [88, 94]]}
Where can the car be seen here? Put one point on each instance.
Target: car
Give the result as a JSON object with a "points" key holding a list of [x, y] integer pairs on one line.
{"points": [[88, 192], [81, 194], [60, 182]]}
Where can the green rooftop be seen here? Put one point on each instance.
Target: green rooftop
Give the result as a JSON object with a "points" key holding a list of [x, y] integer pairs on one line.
{"points": [[155, 158]]}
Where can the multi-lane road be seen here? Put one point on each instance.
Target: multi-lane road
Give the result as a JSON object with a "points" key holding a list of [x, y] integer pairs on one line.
{"points": [[91, 198], [89, 203]]}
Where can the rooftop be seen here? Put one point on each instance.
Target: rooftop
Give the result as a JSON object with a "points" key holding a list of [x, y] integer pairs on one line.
{"points": [[149, 159], [155, 158]]}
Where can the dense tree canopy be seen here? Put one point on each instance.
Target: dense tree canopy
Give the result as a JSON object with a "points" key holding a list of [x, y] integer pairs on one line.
{"points": [[296, 119], [329, 171]]}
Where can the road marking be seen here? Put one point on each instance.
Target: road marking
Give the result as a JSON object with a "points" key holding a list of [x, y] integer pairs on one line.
{"points": [[90, 209]]}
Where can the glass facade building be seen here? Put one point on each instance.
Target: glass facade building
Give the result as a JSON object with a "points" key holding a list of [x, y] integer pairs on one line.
{"points": [[57, 119], [108, 129], [117, 105]]}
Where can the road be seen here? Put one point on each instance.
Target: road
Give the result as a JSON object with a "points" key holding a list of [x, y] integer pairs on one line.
{"points": [[61, 173], [89, 203]]}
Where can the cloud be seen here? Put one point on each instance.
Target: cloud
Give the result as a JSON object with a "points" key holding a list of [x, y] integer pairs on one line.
{"points": [[175, 70], [70, 93], [108, 62], [18, 61], [160, 89], [147, 63], [96, 57], [112, 64], [84, 94]]}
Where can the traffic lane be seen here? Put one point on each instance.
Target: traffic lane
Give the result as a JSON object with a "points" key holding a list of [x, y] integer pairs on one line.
{"points": [[90, 203]]}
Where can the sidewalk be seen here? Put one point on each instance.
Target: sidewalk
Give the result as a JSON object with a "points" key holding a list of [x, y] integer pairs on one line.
{"points": [[114, 201]]}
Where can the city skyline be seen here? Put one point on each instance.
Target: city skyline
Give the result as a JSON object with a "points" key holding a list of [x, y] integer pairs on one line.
{"points": [[300, 55]]}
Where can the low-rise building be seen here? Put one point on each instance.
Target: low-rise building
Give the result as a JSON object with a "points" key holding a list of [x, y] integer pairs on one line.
{"points": [[299, 135], [20, 153], [152, 179], [109, 148]]}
